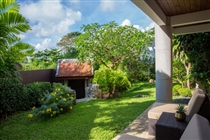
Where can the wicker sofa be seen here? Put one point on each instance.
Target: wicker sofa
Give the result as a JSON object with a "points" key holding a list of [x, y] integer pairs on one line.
{"points": [[193, 107]]}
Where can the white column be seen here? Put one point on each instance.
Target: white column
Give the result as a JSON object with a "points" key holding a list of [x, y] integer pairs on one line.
{"points": [[163, 53]]}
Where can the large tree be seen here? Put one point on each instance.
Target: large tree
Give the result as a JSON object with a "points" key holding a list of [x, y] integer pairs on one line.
{"points": [[67, 45], [44, 59], [196, 47], [111, 44], [11, 25], [181, 64]]}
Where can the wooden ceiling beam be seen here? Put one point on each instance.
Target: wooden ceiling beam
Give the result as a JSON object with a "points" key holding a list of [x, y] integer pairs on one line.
{"points": [[151, 9], [205, 27], [191, 18]]}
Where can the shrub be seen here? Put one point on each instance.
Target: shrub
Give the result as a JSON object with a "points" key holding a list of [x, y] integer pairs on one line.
{"points": [[110, 80], [185, 92], [101, 78], [175, 90], [121, 81], [13, 97], [59, 101], [37, 90]]}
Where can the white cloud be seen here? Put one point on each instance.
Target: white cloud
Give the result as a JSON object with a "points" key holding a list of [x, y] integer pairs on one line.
{"points": [[74, 1], [49, 17], [139, 27], [151, 25], [107, 5], [126, 22], [45, 44]]}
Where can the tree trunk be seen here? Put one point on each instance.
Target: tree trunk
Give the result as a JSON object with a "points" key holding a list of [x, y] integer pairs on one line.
{"points": [[188, 72]]}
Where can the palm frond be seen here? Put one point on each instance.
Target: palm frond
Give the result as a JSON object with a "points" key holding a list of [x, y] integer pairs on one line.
{"points": [[9, 6], [16, 22]]}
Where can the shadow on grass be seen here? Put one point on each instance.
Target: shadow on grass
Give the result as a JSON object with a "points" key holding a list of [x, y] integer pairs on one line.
{"points": [[143, 88], [94, 119], [120, 118]]}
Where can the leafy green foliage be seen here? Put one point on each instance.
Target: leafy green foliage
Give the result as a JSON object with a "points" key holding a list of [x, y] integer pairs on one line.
{"points": [[185, 92], [110, 44], [181, 64], [12, 97], [196, 47], [110, 80], [44, 59], [11, 25], [93, 119], [59, 101], [37, 90], [137, 70], [181, 108], [8, 67], [175, 90]]}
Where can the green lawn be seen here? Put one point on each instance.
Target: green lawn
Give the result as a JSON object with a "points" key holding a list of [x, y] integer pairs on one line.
{"points": [[95, 119]]}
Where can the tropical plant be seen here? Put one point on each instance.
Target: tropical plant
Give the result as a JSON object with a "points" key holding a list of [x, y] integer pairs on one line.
{"points": [[175, 89], [181, 64], [44, 59], [110, 80], [11, 25], [184, 92], [36, 91], [59, 101], [110, 44], [181, 108], [196, 48], [13, 97], [140, 70], [21, 50]]}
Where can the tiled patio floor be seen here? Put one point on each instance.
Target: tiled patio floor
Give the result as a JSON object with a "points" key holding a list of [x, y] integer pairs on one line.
{"points": [[138, 129]]}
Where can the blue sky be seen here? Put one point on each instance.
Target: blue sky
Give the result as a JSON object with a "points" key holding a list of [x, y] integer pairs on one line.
{"points": [[52, 19]]}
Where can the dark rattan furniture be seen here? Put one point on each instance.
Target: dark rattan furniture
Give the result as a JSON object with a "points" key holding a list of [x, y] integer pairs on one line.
{"points": [[168, 128]]}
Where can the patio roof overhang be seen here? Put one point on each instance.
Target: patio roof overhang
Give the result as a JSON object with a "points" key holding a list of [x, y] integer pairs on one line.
{"points": [[184, 16], [172, 17]]}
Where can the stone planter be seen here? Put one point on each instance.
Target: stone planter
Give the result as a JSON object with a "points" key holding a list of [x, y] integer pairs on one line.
{"points": [[105, 96], [116, 95]]}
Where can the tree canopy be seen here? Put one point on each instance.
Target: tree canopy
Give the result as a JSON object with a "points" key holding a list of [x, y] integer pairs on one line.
{"points": [[196, 47], [44, 59], [181, 64], [67, 45], [110, 44]]}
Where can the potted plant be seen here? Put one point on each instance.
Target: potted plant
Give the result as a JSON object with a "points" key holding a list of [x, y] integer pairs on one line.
{"points": [[180, 112], [105, 93]]}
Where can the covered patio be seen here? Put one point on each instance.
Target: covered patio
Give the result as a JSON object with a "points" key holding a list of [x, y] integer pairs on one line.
{"points": [[170, 17]]}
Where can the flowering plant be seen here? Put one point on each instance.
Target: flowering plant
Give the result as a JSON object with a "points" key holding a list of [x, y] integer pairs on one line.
{"points": [[59, 101]]}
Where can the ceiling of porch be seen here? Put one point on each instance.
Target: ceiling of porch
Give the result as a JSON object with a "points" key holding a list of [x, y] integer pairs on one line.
{"points": [[184, 16], [178, 7]]}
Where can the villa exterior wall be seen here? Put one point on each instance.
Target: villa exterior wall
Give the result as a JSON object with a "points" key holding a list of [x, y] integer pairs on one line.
{"points": [[38, 76]]}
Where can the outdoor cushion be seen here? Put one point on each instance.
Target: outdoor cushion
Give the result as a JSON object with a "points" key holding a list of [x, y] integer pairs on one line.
{"points": [[158, 108], [195, 102], [193, 106], [197, 129]]}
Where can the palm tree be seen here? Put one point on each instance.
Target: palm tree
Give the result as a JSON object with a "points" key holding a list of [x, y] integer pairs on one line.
{"points": [[12, 23]]}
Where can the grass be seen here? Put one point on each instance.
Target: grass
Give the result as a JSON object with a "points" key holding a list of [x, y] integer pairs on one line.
{"points": [[94, 119]]}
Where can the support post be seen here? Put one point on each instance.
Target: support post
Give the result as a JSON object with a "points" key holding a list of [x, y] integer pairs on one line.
{"points": [[163, 53]]}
